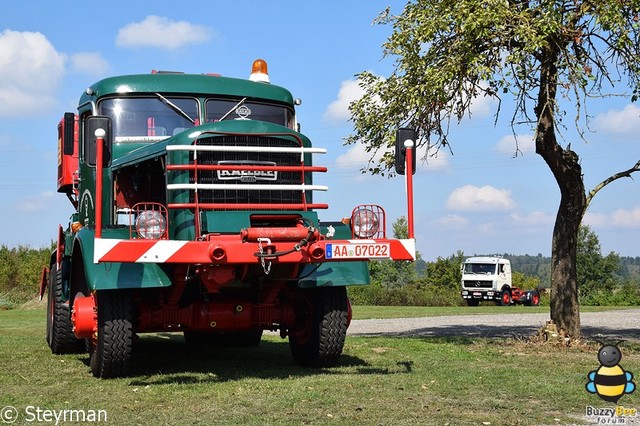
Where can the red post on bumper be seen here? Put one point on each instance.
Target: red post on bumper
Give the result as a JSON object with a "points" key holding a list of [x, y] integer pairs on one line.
{"points": [[409, 144]]}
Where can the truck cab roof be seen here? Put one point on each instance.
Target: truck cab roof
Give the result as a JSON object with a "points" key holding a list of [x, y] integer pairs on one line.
{"points": [[186, 84], [483, 259]]}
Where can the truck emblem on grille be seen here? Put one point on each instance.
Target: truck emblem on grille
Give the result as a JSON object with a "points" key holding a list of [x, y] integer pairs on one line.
{"points": [[247, 175], [243, 112]]}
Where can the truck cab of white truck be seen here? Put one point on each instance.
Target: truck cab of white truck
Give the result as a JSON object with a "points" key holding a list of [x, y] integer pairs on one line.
{"points": [[489, 278], [486, 278]]}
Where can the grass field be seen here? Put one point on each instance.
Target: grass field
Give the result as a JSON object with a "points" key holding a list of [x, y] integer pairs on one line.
{"points": [[380, 380]]}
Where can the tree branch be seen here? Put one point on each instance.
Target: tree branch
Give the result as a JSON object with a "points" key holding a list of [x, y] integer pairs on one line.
{"points": [[607, 181]]}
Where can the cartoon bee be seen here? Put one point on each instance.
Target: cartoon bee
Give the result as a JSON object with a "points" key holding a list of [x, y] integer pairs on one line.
{"points": [[610, 381]]}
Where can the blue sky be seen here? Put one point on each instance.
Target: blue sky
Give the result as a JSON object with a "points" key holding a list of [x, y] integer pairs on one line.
{"points": [[480, 200]]}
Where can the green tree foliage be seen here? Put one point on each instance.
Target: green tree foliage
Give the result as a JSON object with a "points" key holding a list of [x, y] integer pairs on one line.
{"points": [[524, 282], [445, 273], [20, 271], [538, 266], [600, 277], [534, 53], [595, 271]]}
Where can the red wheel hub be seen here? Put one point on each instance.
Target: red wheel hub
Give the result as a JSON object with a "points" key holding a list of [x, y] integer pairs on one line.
{"points": [[84, 317]]}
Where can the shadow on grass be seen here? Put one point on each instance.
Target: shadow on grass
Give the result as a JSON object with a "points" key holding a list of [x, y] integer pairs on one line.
{"points": [[465, 333], [164, 358]]}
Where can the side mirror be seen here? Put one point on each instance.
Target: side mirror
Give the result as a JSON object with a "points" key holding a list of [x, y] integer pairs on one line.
{"points": [[91, 125], [402, 135], [69, 126]]}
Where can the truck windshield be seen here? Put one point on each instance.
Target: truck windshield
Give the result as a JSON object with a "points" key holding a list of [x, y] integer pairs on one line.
{"points": [[480, 268], [149, 119], [241, 109]]}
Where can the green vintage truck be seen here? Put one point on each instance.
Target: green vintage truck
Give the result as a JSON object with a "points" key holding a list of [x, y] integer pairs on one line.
{"points": [[194, 212]]}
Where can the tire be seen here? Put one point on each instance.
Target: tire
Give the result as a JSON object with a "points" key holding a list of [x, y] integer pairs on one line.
{"points": [[535, 298], [59, 334], [112, 350], [505, 298], [321, 329], [473, 302]]}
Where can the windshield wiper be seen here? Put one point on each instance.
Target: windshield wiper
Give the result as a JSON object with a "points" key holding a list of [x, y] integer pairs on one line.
{"points": [[176, 108], [235, 107]]}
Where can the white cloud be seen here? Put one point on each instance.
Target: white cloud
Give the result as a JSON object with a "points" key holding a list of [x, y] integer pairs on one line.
{"points": [[507, 145], [338, 110], [161, 32], [625, 121], [533, 218], [485, 198], [620, 218], [596, 219], [91, 63], [356, 157], [35, 203], [453, 221], [626, 218], [31, 70], [435, 160]]}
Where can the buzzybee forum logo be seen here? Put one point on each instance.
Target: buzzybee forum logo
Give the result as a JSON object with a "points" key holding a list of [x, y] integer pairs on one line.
{"points": [[610, 381]]}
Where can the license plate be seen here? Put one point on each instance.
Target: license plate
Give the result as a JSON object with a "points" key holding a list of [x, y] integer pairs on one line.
{"points": [[358, 251], [477, 294]]}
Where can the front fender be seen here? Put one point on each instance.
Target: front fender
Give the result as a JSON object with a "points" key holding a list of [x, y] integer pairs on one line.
{"points": [[116, 275]]}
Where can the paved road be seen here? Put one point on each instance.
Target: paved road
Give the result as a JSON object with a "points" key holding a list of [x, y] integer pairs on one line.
{"points": [[610, 325]]}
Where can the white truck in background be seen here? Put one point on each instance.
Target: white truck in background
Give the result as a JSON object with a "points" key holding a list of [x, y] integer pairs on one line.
{"points": [[489, 278]]}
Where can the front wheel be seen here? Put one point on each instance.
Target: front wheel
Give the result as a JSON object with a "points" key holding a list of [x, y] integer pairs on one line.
{"points": [[111, 350], [505, 298], [322, 319]]}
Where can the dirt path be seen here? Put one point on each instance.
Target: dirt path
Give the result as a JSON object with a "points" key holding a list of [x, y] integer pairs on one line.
{"points": [[610, 325]]}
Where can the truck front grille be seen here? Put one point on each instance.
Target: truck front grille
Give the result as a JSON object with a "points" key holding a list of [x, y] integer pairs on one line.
{"points": [[471, 284], [242, 196]]}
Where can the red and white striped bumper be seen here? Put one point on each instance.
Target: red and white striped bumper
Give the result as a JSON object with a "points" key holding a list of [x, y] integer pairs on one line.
{"points": [[232, 250]]}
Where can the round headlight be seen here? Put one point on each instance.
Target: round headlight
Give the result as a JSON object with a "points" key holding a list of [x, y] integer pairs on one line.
{"points": [[365, 223], [151, 225]]}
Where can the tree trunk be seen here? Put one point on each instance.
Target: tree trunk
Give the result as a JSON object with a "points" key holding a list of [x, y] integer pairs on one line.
{"points": [[565, 311], [564, 165]]}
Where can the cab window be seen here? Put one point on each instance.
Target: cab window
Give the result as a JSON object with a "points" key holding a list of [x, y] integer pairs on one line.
{"points": [[149, 119], [219, 109]]}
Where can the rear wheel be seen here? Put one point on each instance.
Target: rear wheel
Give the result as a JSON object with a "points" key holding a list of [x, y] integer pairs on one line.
{"points": [[534, 298], [111, 351], [322, 318], [60, 335]]}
